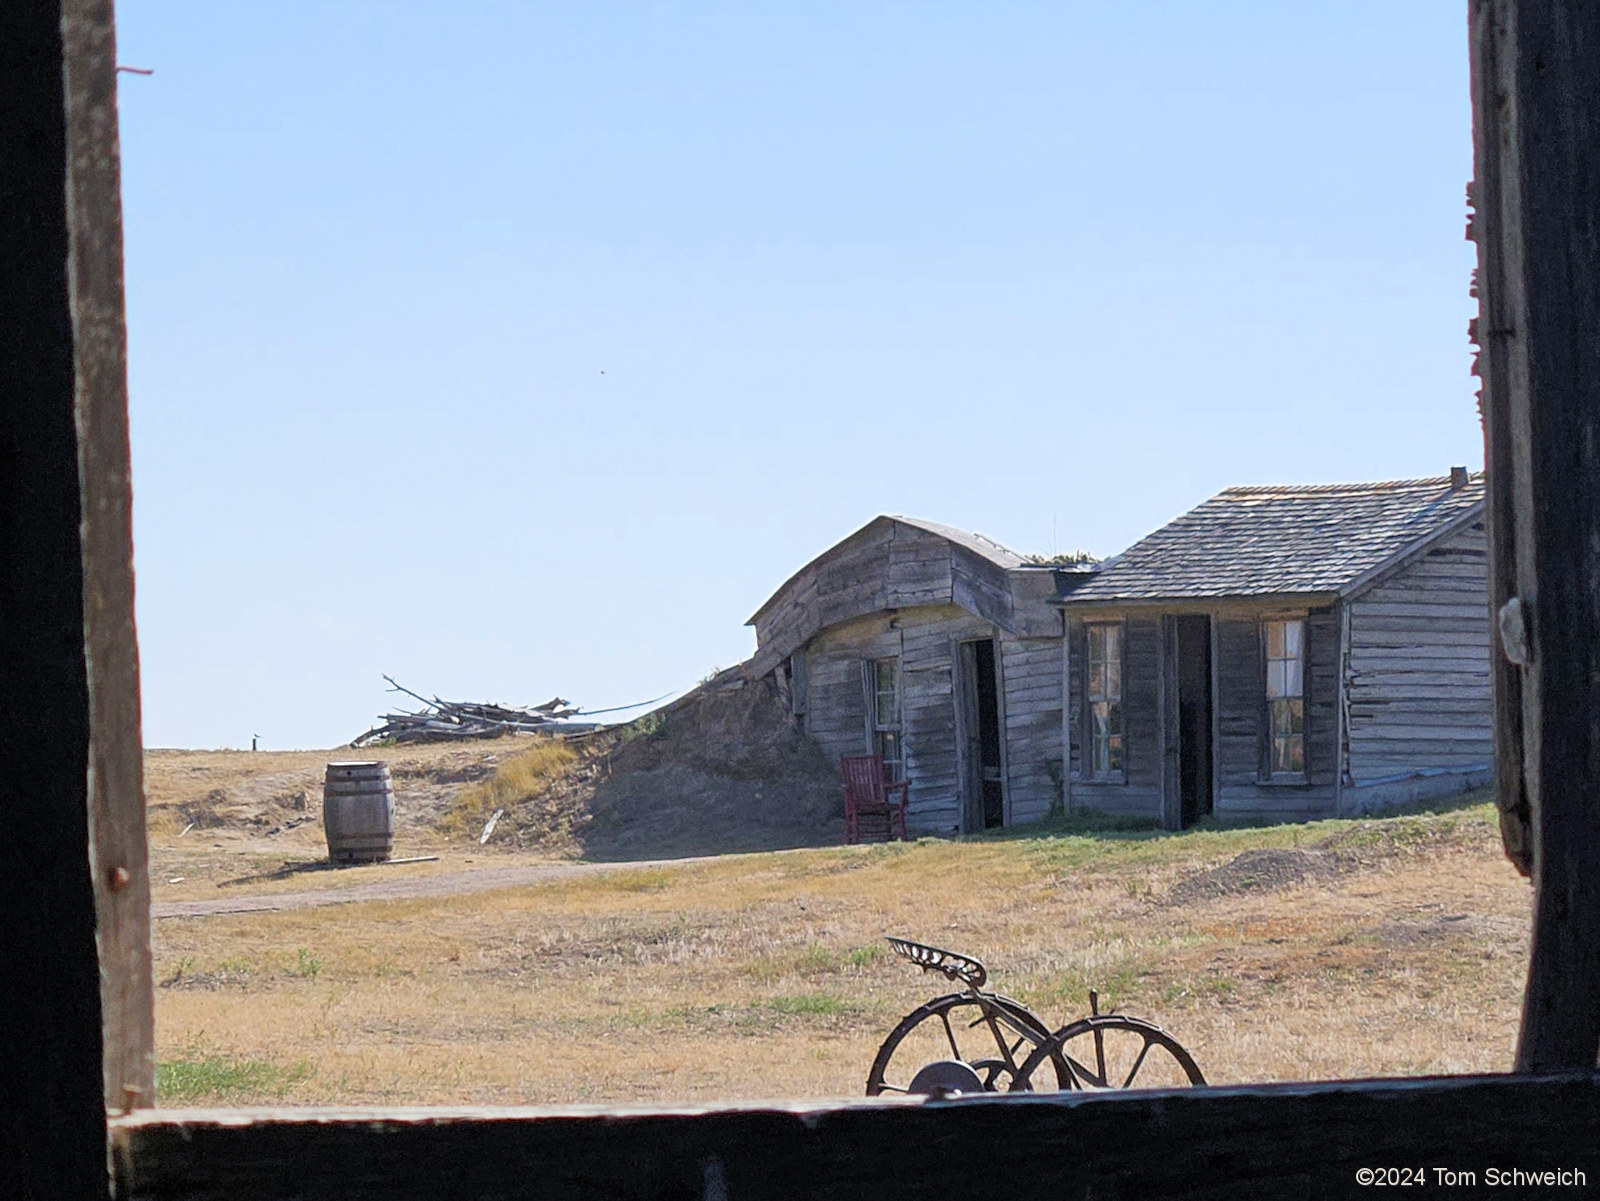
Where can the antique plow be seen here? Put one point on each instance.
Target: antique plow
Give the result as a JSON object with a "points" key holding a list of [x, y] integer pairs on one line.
{"points": [[978, 1041]]}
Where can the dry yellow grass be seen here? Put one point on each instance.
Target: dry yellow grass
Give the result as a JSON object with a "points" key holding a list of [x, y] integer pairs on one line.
{"points": [[217, 816], [526, 775], [764, 975]]}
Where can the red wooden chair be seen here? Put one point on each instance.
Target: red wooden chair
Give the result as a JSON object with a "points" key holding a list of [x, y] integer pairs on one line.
{"points": [[868, 812]]}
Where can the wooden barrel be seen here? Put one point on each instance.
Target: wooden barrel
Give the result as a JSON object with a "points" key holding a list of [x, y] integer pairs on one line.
{"points": [[358, 812]]}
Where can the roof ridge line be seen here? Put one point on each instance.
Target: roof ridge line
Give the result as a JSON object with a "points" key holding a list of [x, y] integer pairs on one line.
{"points": [[1369, 486]]}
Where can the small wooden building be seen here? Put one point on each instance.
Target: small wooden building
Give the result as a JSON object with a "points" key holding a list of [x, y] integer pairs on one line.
{"points": [[940, 650], [1287, 653]]}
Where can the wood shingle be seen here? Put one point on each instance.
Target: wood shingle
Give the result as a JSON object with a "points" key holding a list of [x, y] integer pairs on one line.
{"points": [[1287, 540]]}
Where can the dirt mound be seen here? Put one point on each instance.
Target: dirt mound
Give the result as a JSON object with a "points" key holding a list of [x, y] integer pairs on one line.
{"points": [[1266, 870], [1361, 846], [723, 769]]}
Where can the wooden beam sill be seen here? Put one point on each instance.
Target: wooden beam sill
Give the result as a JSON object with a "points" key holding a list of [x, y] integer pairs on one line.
{"points": [[1259, 1140]]}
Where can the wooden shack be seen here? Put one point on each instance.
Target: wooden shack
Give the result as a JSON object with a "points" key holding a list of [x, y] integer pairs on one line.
{"points": [[940, 650], [1286, 653]]}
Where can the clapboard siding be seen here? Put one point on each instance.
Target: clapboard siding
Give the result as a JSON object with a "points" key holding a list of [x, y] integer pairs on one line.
{"points": [[894, 563], [1240, 689], [929, 637], [1075, 648], [925, 640], [1418, 671], [1141, 690], [836, 714], [918, 570], [1030, 675]]}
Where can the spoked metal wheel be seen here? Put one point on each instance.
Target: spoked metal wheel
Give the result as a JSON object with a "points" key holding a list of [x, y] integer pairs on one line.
{"points": [[1107, 1051], [993, 1035]]}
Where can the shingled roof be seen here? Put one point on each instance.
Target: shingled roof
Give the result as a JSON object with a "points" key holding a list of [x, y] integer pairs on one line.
{"points": [[1262, 541]]}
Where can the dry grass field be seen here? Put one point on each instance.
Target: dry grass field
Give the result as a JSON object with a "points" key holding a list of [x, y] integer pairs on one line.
{"points": [[1336, 949]]}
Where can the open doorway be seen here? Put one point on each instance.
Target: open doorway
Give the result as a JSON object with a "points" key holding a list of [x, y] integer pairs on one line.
{"points": [[1194, 718], [983, 786]]}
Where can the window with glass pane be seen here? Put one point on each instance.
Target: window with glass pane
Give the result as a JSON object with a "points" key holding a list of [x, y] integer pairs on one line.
{"points": [[886, 717], [1286, 679], [1105, 699]]}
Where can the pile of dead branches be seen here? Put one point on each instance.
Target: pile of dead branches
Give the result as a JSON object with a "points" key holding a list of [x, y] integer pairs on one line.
{"points": [[447, 721]]}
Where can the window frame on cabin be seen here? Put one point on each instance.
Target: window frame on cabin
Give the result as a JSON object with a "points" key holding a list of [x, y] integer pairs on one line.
{"points": [[1109, 772], [886, 735], [1292, 680]]}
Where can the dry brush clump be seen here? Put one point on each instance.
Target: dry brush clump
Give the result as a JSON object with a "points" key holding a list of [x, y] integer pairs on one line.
{"points": [[517, 786]]}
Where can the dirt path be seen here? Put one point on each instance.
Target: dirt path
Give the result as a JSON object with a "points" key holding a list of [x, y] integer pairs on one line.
{"points": [[443, 884]]}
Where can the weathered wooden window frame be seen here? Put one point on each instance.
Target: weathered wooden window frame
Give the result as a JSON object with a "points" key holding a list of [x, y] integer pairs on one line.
{"points": [[1536, 98], [1091, 738], [798, 683], [879, 730], [1269, 773]]}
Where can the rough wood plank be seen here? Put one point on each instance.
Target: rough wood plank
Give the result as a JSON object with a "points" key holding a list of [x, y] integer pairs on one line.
{"points": [[1394, 731], [1406, 636], [1474, 630], [1271, 1141], [1536, 106], [53, 1138], [1379, 768], [1431, 610], [1441, 711], [117, 850], [1141, 683]]}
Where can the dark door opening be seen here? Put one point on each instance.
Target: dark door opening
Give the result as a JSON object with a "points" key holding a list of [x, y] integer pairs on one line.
{"points": [[980, 701], [1194, 718]]}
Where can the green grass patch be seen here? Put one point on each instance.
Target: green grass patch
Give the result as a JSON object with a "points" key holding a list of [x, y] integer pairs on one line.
{"points": [[199, 1076], [810, 1005], [859, 957], [815, 959], [306, 966]]}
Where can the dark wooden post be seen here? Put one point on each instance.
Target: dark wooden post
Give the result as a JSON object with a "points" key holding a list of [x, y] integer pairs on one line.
{"points": [[55, 1128], [1536, 106], [117, 847], [73, 889]]}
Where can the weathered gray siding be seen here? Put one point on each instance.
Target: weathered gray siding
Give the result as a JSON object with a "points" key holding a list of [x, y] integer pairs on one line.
{"points": [[895, 589], [1239, 701], [1030, 681], [925, 640], [928, 671], [835, 704], [890, 564], [1420, 718]]}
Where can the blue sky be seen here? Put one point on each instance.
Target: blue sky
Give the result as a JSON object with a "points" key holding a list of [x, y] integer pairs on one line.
{"points": [[517, 349]]}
